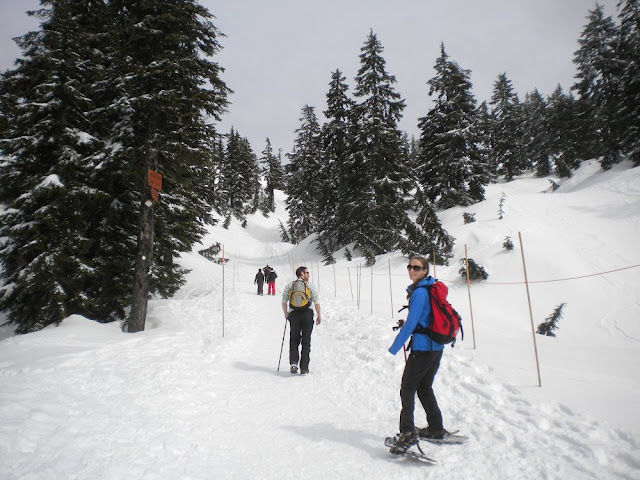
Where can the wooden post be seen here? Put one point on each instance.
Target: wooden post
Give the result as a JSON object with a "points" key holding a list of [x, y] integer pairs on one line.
{"points": [[335, 288], [371, 290], [533, 333], [473, 329], [350, 285], [359, 284]]}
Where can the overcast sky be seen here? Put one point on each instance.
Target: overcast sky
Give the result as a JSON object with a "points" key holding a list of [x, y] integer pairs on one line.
{"points": [[278, 55]]}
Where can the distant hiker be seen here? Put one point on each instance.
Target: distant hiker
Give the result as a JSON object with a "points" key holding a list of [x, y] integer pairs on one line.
{"points": [[296, 305], [423, 362], [266, 271], [271, 280], [259, 280]]}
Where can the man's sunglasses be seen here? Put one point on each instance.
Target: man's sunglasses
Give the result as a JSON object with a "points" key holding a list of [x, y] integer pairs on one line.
{"points": [[416, 268]]}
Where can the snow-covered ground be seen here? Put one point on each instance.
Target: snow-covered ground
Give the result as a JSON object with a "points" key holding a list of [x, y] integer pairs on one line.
{"points": [[197, 395]]}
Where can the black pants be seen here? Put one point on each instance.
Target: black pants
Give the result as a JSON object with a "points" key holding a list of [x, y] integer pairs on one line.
{"points": [[260, 285], [418, 376], [301, 322]]}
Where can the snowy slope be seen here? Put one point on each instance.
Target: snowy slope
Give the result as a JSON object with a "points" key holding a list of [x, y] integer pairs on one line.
{"points": [[197, 395]]}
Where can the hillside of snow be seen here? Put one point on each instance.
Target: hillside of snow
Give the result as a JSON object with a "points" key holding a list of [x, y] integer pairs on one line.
{"points": [[197, 395]]}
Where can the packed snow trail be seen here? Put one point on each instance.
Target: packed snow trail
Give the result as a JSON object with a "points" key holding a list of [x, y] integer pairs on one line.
{"points": [[180, 401]]}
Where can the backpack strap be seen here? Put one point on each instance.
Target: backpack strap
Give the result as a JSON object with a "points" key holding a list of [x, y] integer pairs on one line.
{"points": [[419, 329]]}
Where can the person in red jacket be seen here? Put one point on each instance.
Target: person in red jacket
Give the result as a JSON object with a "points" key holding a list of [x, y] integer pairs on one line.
{"points": [[271, 281]]}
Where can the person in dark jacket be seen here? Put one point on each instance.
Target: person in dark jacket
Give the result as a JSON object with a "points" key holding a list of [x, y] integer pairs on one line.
{"points": [[259, 280], [271, 282], [423, 362]]}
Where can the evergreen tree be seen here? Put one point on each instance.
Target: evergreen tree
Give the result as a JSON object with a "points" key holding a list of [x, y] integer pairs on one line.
{"points": [[379, 177], [304, 164], [273, 175], [427, 236], [564, 127], [476, 271], [506, 149], [598, 86], [103, 119], [629, 53], [49, 152], [163, 127], [551, 322], [335, 145], [484, 127], [451, 170], [240, 177], [535, 129]]}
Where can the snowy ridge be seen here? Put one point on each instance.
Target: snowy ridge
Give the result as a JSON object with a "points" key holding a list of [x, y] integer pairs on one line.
{"points": [[182, 401]]}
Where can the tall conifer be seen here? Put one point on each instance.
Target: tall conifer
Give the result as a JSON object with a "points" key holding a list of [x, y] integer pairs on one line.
{"points": [[336, 150], [598, 86], [380, 177], [506, 148], [452, 169], [50, 156], [273, 176], [301, 187], [629, 53]]}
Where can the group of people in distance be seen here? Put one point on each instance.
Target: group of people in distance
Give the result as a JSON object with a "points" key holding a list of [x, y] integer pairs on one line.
{"points": [[421, 364], [266, 275]]}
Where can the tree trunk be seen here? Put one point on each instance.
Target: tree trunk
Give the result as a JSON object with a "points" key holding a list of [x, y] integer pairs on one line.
{"points": [[140, 294]]}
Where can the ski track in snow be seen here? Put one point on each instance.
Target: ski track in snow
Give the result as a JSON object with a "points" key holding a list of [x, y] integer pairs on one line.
{"points": [[182, 401]]}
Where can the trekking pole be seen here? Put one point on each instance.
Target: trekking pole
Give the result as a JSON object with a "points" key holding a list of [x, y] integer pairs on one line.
{"points": [[282, 346], [404, 350]]}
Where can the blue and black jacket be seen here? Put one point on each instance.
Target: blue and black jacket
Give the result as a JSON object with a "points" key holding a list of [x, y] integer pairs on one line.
{"points": [[419, 317]]}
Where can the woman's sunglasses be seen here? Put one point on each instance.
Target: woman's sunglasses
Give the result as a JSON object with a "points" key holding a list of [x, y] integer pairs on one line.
{"points": [[416, 268]]}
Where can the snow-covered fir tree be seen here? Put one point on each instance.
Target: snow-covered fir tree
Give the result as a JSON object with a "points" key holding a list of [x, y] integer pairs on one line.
{"points": [[336, 149], [301, 187], [451, 167], [535, 129], [49, 157], [506, 150], [599, 73], [379, 178], [551, 322], [239, 177], [273, 175], [164, 127], [484, 126], [629, 53], [427, 237], [564, 132], [123, 111]]}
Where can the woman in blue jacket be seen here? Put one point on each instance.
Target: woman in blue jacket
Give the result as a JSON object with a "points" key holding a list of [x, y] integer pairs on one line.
{"points": [[423, 362]]}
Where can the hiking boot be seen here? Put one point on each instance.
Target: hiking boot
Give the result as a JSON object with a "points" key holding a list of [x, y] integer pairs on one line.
{"points": [[304, 372], [294, 368], [436, 434], [403, 441]]}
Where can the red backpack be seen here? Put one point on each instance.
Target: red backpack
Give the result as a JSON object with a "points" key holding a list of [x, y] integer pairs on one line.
{"points": [[446, 321]]}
